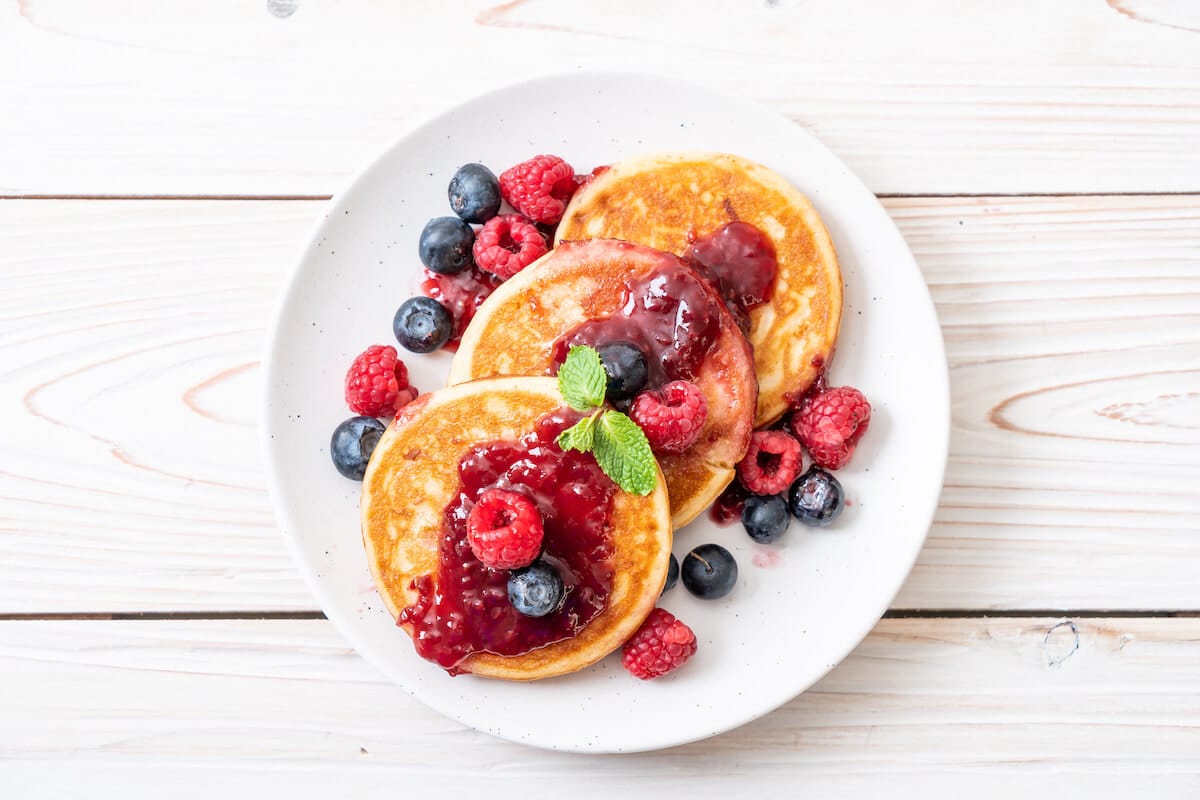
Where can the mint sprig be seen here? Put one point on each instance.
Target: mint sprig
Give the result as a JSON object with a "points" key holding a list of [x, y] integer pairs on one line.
{"points": [[622, 451], [618, 444], [581, 379]]}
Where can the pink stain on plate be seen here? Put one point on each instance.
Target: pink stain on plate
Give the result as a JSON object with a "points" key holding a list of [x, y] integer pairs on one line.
{"points": [[766, 557]]}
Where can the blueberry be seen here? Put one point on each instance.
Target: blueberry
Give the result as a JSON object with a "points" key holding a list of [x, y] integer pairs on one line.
{"points": [[709, 571], [445, 245], [672, 574], [625, 366], [352, 444], [816, 498], [765, 518], [422, 324], [474, 193], [536, 590]]}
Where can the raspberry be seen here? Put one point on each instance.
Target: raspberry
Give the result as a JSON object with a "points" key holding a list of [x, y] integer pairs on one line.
{"points": [[539, 188], [507, 244], [504, 530], [661, 645], [830, 423], [377, 382], [406, 396], [771, 463], [671, 417]]}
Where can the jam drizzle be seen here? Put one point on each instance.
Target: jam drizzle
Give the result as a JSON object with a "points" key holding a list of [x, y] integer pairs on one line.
{"points": [[729, 505], [462, 294], [464, 608]]}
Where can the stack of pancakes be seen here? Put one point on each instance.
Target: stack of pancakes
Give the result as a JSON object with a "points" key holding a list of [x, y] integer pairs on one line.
{"points": [[615, 231]]}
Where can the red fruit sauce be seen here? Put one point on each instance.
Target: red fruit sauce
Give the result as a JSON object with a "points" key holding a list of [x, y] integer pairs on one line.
{"points": [[819, 384], [741, 261], [671, 315], [464, 608], [461, 294], [728, 506]]}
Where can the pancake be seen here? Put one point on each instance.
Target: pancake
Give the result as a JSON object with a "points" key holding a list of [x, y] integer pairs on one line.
{"points": [[413, 476], [664, 200], [515, 332]]}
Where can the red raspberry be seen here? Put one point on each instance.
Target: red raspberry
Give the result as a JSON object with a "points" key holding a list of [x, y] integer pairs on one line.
{"points": [[661, 645], [771, 463], [504, 529], [508, 244], [671, 417], [406, 396], [830, 423], [539, 188], [377, 382]]}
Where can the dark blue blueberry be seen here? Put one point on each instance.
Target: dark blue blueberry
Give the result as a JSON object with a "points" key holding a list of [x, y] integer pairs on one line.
{"points": [[625, 366], [422, 324], [765, 518], [816, 498], [352, 444], [672, 574], [536, 590], [445, 245], [474, 193], [709, 571]]}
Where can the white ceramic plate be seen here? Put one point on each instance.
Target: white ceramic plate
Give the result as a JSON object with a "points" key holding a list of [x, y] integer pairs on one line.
{"points": [[801, 605]]}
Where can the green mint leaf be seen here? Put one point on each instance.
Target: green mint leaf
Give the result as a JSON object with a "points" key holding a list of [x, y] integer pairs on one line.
{"points": [[579, 436], [581, 379], [623, 453]]}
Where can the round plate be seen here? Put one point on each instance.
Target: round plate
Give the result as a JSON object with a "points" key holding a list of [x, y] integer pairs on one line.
{"points": [[800, 605]]}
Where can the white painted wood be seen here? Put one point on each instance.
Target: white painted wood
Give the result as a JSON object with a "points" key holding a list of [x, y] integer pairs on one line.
{"points": [[922, 707], [130, 332], [930, 96]]}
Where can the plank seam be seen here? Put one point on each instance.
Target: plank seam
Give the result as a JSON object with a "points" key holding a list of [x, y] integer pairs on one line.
{"points": [[312, 197], [897, 613]]}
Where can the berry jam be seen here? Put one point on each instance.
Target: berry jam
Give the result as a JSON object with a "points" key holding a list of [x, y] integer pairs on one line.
{"points": [[464, 609], [741, 260], [461, 294], [728, 507], [819, 384], [671, 315]]}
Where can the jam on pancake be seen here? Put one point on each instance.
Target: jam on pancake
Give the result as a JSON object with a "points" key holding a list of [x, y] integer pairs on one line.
{"points": [[464, 608], [671, 315], [740, 260]]}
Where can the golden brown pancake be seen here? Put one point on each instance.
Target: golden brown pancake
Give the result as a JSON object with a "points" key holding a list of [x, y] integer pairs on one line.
{"points": [[515, 330], [664, 200], [413, 476]]}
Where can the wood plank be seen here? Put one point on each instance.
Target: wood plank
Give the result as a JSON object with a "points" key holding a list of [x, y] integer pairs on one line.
{"points": [[1005, 704], [1069, 324], [222, 97]]}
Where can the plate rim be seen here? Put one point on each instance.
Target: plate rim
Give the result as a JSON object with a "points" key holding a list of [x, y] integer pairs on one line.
{"points": [[292, 284]]}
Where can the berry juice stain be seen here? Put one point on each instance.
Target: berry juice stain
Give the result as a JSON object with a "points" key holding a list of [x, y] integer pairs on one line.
{"points": [[464, 607], [766, 558]]}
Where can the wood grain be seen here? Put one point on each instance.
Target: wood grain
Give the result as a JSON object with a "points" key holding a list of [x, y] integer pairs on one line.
{"points": [[208, 707], [225, 98], [130, 333]]}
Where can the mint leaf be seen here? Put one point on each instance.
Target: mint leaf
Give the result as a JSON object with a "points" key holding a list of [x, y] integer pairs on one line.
{"points": [[581, 379], [623, 453], [579, 436]]}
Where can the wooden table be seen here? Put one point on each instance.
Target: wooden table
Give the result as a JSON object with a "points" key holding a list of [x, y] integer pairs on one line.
{"points": [[160, 163]]}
